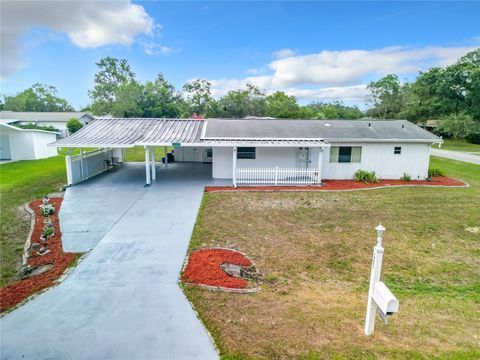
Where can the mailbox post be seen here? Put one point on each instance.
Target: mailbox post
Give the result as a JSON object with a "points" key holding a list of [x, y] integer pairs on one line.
{"points": [[379, 296]]}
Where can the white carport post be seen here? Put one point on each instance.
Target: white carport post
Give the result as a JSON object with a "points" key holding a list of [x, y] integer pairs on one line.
{"points": [[234, 166], [319, 165], [165, 151], [154, 172], [147, 166]]}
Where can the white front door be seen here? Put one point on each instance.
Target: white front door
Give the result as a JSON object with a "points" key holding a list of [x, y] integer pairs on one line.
{"points": [[303, 157]]}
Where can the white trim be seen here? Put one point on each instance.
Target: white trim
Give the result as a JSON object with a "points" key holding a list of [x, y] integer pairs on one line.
{"points": [[34, 130]]}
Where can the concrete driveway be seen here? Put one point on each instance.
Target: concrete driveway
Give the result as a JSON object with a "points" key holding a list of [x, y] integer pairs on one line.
{"points": [[456, 155], [123, 300]]}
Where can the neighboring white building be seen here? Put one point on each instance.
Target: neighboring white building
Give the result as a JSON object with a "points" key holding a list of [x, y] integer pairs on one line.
{"points": [[276, 152], [56, 119], [25, 144]]}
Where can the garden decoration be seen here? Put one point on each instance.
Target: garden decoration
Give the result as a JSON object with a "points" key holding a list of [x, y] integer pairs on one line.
{"points": [[47, 207]]}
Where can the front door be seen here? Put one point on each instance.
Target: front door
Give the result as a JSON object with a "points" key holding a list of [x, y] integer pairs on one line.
{"points": [[303, 157]]}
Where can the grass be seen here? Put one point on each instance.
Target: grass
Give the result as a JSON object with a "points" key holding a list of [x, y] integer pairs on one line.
{"points": [[459, 145], [314, 250], [22, 181], [137, 153]]}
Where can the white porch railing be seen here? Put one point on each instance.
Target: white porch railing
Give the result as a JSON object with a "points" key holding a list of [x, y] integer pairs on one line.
{"points": [[277, 176]]}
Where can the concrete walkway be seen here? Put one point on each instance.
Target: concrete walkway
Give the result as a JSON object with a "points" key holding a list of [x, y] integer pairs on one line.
{"points": [[123, 300], [456, 155]]}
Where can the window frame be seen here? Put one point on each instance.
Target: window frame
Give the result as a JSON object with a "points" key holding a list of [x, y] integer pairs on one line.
{"points": [[335, 155], [243, 154]]}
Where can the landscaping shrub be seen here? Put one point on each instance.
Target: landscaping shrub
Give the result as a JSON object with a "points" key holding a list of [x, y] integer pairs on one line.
{"points": [[37, 127], [365, 176], [406, 177], [432, 172], [73, 125]]}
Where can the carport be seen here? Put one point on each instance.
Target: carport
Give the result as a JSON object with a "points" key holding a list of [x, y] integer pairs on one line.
{"points": [[111, 136]]}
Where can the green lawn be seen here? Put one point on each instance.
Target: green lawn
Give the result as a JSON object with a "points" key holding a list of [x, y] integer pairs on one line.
{"points": [[459, 145], [314, 250], [23, 181], [137, 153]]}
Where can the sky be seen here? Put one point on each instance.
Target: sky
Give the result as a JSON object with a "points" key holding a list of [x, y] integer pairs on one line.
{"points": [[316, 51]]}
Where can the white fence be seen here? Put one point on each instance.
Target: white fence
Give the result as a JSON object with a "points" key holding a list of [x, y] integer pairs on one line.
{"points": [[277, 176], [82, 167]]}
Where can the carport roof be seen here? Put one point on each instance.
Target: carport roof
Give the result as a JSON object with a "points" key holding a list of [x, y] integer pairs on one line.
{"points": [[129, 132]]}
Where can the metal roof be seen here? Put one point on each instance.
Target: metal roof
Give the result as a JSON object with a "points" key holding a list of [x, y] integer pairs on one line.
{"points": [[42, 116], [327, 130], [129, 132], [121, 132]]}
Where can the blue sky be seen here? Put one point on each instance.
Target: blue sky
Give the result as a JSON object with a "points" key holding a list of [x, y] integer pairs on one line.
{"points": [[314, 50]]}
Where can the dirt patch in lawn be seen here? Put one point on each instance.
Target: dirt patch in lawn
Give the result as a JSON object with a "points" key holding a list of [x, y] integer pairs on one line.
{"points": [[47, 267]]}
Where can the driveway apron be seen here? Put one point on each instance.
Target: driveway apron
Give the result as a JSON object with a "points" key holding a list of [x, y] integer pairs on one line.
{"points": [[123, 300]]}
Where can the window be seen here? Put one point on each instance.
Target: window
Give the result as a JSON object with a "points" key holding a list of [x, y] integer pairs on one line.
{"points": [[397, 150], [246, 153], [345, 154], [209, 152]]}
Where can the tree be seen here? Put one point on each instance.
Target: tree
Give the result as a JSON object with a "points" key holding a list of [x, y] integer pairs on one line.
{"points": [[386, 96], [73, 125], [280, 105], [39, 97], [240, 103], [160, 99], [198, 96], [113, 74], [458, 126]]}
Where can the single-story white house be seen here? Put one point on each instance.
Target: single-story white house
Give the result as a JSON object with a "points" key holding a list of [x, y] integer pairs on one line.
{"points": [[56, 119], [25, 144], [276, 152]]}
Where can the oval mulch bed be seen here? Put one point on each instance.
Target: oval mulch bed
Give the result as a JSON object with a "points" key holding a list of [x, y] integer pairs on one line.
{"points": [[204, 268], [15, 293], [346, 185]]}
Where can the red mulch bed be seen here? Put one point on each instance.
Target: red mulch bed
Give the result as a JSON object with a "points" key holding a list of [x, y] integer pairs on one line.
{"points": [[17, 292], [203, 268], [339, 185]]}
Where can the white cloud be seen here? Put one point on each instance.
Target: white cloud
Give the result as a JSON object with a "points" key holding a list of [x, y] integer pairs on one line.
{"points": [[284, 53], [152, 48], [88, 24], [341, 75]]}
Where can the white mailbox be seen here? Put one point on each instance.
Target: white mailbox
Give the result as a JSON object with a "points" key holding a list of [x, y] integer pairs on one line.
{"points": [[385, 300]]}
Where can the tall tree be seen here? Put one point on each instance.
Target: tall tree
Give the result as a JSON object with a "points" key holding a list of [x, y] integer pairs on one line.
{"points": [[386, 96], [160, 99], [280, 105], [198, 94], [112, 75], [39, 97], [240, 103]]}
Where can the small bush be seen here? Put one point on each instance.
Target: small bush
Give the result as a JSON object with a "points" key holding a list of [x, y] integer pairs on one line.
{"points": [[432, 172], [47, 232], [406, 177], [73, 125], [365, 176]]}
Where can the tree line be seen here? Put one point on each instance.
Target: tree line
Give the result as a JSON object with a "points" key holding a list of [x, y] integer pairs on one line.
{"points": [[448, 94]]}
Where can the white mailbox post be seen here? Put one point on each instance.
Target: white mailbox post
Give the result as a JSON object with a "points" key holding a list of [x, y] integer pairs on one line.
{"points": [[379, 296]]}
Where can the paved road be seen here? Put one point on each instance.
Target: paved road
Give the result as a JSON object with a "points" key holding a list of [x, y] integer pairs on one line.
{"points": [[123, 300], [456, 155]]}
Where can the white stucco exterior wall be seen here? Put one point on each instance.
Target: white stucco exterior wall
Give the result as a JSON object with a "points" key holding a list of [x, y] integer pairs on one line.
{"points": [[378, 157]]}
